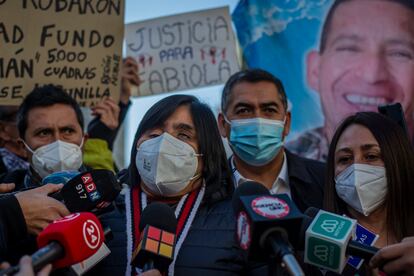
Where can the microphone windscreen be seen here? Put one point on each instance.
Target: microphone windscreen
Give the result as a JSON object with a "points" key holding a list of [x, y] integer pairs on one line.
{"points": [[245, 189], [80, 235], [159, 215], [90, 190], [59, 177]]}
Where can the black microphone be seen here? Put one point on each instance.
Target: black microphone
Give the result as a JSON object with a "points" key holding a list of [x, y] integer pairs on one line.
{"points": [[265, 225], [90, 191], [158, 225]]}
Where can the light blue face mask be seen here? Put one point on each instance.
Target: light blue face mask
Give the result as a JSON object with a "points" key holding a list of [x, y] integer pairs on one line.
{"points": [[256, 141]]}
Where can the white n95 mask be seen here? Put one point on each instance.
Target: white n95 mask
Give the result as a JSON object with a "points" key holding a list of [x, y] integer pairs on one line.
{"points": [[166, 164], [55, 157], [363, 187]]}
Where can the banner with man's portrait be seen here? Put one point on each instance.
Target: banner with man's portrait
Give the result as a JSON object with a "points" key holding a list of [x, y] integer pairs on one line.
{"points": [[334, 58]]}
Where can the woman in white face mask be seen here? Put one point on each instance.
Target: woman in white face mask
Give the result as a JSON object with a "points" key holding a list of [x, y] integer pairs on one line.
{"points": [[370, 172], [178, 158]]}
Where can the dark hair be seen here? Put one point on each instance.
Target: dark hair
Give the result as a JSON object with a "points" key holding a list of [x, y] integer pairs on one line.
{"points": [[45, 96], [216, 171], [252, 76], [398, 156], [8, 113], [329, 17]]}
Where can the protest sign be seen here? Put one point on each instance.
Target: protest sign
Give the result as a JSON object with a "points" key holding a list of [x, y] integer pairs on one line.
{"points": [[183, 51], [75, 44]]}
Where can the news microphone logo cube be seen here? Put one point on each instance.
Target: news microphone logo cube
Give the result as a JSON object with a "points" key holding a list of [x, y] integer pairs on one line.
{"points": [[157, 244], [326, 241]]}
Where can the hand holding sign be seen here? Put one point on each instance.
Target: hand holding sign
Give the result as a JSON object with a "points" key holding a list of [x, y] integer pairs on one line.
{"points": [[130, 79], [108, 112]]}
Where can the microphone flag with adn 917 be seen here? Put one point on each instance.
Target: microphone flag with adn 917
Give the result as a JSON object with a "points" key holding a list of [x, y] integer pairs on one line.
{"points": [[91, 190], [158, 226]]}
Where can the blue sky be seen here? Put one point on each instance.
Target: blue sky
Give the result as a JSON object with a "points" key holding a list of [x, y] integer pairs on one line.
{"points": [[137, 10]]}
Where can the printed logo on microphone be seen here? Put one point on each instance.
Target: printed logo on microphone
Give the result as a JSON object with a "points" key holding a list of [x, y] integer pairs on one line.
{"points": [[270, 207], [321, 252], [329, 225], [332, 225], [86, 178], [90, 187], [243, 231], [364, 236], [91, 234]]}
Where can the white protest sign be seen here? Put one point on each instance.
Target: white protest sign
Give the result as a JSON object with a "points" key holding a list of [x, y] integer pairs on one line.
{"points": [[183, 51]]}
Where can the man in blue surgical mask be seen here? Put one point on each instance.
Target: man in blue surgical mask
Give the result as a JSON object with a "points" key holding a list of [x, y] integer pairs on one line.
{"points": [[255, 120]]}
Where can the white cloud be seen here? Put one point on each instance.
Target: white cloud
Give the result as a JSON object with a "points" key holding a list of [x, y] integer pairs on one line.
{"points": [[275, 19]]}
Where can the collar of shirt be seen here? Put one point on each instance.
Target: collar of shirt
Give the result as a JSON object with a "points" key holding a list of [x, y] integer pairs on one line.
{"points": [[280, 185]]}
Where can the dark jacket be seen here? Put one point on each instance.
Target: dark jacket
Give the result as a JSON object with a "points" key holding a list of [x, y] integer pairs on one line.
{"points": [[210, 247], [12, 224], [306, 181]]}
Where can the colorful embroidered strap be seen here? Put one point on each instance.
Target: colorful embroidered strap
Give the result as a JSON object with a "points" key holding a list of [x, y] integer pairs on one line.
{"points": [[136, 201]]}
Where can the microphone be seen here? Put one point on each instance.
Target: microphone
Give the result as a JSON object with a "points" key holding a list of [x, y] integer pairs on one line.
{"points": [[59, 177], [66, 241], [265, 224], [158, 226], [90, 191], [328, 240]]}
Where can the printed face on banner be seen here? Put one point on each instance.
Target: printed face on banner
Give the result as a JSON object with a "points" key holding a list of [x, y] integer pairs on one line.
{"points": [[73, 44], [368, 60], [183, 51]]}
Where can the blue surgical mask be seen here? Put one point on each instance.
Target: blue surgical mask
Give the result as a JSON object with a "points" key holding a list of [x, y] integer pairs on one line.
{"points": [[256, 141]]}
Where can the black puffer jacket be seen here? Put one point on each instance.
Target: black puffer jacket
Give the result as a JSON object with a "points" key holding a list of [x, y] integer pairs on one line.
{"points": [[210, 247], [12, 225]]}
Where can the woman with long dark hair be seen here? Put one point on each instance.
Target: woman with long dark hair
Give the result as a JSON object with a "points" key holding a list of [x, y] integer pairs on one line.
{"points": [[178, 158], [370, 172]]}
